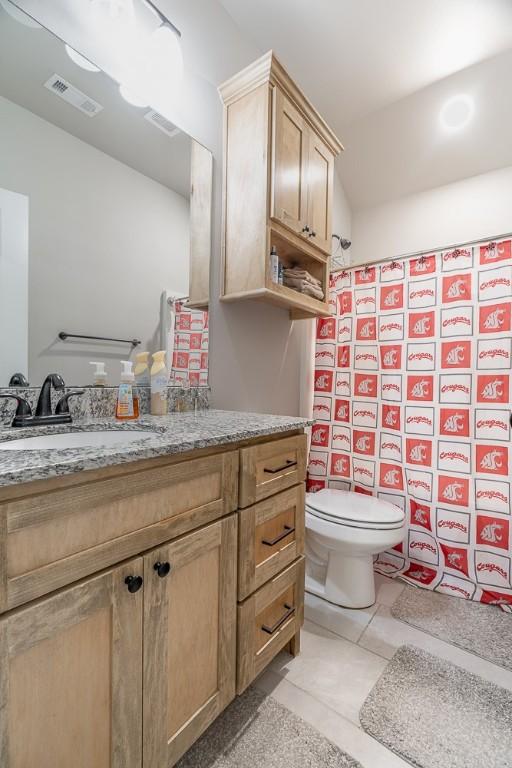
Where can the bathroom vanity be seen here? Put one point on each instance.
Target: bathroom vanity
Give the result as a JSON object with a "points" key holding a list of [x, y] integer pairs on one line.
{"points": [[142, 586]]}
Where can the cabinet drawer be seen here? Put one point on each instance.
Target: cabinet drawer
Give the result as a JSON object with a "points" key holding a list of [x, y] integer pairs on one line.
{"points": [[52, 539], [267, 621], [270, 536], [271, 467]]}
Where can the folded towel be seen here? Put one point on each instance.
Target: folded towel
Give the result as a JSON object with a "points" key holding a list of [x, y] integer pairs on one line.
{"points": [[301, 274], [303, 286]]}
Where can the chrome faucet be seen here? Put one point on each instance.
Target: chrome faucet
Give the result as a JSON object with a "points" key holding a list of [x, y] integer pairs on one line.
{"points": [[43, 415]]}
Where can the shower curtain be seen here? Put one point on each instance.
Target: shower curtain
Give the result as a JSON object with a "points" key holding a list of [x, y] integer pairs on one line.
{"points": [[412, 404], [189, 367]]}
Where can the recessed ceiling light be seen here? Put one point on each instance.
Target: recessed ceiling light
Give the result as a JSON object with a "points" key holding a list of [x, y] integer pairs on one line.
{"points": [[80, 60], [131, 97], [18, 15], [457, 112]]}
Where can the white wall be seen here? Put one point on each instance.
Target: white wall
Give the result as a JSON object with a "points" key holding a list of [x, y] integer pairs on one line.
{"points": [[104, 241], [480, 206]]}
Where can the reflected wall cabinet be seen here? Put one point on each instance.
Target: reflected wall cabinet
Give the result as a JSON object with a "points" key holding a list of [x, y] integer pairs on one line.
{"points": [[278, 187]]}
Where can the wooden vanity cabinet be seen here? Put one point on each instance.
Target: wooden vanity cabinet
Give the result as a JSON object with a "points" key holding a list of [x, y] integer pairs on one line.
{"points": [[278, 187]]}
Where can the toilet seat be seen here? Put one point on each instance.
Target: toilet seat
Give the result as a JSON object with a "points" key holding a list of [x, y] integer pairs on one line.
{"points": [[355, 510]]}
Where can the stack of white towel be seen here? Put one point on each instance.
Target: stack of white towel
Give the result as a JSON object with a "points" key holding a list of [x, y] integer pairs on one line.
{"points": [[300, 280]]}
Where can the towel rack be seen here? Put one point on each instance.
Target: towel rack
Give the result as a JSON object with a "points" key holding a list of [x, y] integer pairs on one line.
{"points": [[64, 335]]}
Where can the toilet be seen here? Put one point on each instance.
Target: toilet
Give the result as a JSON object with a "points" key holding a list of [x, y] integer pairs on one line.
{"points": [[343, 532]]}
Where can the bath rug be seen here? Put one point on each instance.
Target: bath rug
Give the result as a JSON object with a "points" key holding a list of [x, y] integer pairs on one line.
{"points": [[255, 731], [484, 630], [437, 715]]}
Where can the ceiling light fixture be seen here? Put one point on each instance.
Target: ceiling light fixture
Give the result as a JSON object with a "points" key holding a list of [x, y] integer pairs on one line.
{"points": [[457, 112], [18, 15], [80, 60]]}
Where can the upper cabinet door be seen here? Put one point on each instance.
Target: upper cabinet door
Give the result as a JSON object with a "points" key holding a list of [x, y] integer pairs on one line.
{"points": [[71, 676], [289, 198], [320, 185], [189, 639]]}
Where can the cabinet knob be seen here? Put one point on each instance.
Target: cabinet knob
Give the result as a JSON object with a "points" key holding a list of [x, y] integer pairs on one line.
{"points": [[134, 583], [305, 228], [312, 233], [162, 569]]}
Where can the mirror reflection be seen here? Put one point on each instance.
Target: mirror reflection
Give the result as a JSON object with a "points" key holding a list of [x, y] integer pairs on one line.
{"points": [[95, 219]]}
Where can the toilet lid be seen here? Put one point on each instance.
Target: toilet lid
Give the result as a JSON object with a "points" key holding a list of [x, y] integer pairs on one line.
{"points": [[346, 506]]}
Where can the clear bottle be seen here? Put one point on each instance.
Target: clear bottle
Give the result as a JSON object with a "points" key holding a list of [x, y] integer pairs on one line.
{"points": [[159, 382], [141, 370], [274, 265], [127, 406], [99, 375]]}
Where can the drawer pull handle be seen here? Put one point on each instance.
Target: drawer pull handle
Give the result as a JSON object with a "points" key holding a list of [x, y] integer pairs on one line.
{"points": [[289, 463], [290, 610], [162, 569], [134, 583], [272, 542]]}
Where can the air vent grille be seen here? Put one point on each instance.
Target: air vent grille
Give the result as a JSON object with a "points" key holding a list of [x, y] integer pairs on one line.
{"points": [[56, 84], [161, 122]]}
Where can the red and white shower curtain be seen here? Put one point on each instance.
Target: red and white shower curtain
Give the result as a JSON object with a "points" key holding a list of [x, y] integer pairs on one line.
{"points": [[412, 404], [190, 349]]}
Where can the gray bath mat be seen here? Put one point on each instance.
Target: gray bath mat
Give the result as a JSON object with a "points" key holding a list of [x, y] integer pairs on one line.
{"points": [[255, 731], [437, 715], [484, 630]]}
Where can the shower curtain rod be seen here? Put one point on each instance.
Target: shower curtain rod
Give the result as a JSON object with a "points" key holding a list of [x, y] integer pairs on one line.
{"points": [[422, 253]]}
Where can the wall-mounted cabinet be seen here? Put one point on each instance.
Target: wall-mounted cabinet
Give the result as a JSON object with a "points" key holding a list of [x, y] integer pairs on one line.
{"points": [[278, 187]]}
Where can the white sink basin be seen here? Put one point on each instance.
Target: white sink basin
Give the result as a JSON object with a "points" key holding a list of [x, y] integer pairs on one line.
{"points": [[98, 439]]}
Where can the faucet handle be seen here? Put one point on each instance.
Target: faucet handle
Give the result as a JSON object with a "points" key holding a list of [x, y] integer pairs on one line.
{"points": [[63, 404], [23, 408]]}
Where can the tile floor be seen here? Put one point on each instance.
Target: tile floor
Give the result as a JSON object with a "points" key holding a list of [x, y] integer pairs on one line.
{"points": [[343, 654]]}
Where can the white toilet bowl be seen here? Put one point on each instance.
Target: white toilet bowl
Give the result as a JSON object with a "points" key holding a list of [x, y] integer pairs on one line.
{"points": [[343, 532]]}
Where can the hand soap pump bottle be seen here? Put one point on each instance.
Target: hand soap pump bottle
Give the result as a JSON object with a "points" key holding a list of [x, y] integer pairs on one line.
{"points": [[127, 406], [99, 375], [159, 382], [142, 369]]}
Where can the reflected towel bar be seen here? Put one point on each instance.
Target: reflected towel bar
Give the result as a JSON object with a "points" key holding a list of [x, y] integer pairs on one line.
{"points": [[63, 335]]}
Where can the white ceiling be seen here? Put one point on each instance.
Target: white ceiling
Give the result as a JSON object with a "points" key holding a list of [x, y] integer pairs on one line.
{"points": [[379, 71], [28, 57]]}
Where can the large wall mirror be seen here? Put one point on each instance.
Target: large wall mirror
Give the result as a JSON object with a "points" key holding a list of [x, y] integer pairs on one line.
{"points": [[104, 205]]}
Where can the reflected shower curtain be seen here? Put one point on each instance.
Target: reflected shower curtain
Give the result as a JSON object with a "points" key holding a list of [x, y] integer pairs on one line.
{"points": [[412, 404]]}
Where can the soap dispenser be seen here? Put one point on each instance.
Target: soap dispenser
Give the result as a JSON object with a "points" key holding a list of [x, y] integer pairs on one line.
{"points": [[127, 406], [159, 381], [99, 375], [142, 369]]}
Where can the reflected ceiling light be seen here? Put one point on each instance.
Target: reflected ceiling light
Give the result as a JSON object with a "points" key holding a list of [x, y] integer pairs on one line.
{"points": [[115, 9], [18, 15], [80, 60], [457, 112], [131, 97]]}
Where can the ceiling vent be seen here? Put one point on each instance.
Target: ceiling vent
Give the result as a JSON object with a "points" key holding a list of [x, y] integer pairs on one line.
{"points": [[56, 84], [161, 122]]}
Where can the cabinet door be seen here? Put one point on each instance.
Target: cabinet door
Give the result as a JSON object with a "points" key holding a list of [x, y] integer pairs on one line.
{"points": [[189, 639], [289, 164], [71, 677], [320, 184]]}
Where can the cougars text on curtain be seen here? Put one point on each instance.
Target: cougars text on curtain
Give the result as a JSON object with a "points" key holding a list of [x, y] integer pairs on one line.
{"points": [[412, 404]]}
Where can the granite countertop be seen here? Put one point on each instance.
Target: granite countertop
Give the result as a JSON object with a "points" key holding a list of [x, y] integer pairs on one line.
{"points": [[177, 433]]}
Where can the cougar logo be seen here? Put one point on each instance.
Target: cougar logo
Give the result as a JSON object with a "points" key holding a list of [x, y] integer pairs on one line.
{"points": [[365, 275], [493, 390], [494, 320], [418, 452], [392, 298], [492, 460], [342, 412], [366, 330], [422, 326], [340, 465], [419, 575], [391, 419], [455, 559], [363, 444], [343, 360], [392, 477], [453, 492], [420, 389], [322, 381], [454, 423], [325, 331], [365, 387], [390, 358], [420, 517], [455, 356], [457, 289], [318, 435], [492, 533]]}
